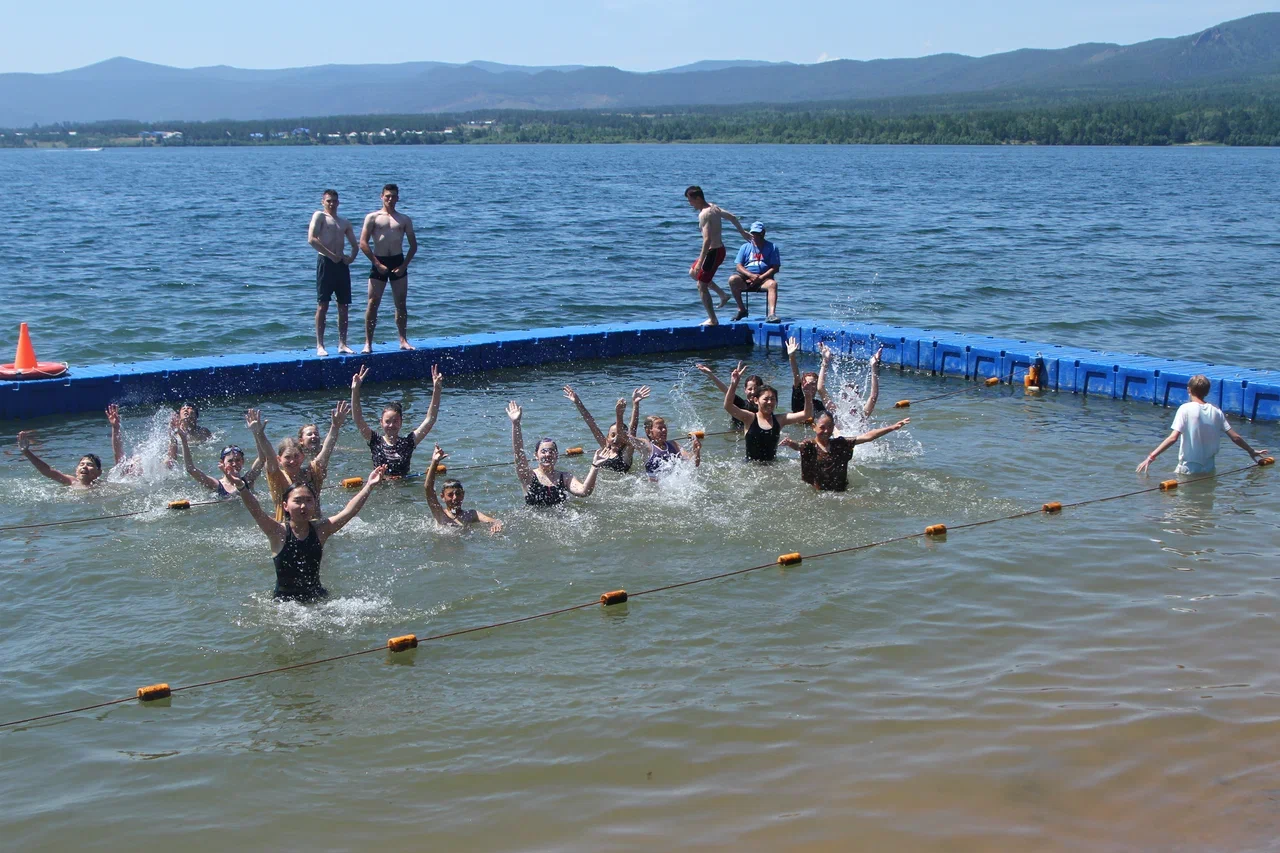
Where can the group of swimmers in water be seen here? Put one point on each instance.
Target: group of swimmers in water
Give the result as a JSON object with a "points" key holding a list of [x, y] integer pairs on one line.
{"points": [[296, 468]]}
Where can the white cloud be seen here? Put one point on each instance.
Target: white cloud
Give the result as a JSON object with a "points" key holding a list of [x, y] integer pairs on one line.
{"points": [[825, 57]]}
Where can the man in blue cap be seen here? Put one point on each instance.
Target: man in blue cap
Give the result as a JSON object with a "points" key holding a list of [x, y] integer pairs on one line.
{"points": [[757, 267]]}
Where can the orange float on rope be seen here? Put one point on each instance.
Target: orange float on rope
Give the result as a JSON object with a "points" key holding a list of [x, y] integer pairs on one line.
{"points": [[179, 504], [789, 559], [1168, 485], [353, 482], [1267, 460], [994, 380], [24, 364], [616, 597], [1052, 506], [936, 530], [154, 691], [701, 434], [399, 644], [902, 404], [573, 451]]}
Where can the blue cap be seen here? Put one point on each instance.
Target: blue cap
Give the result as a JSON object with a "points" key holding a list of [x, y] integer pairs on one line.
{"points": [[756, 228]]}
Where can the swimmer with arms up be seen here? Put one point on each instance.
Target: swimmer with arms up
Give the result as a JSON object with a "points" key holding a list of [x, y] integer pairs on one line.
{"points": [[297, 541], [452, 514], [230, 463], [391, 449], [661, 455], [88, 469], [286, 466], [544, 485], [763, 427], [388, 228], [618, 451], [824, 461], [752, 389]]}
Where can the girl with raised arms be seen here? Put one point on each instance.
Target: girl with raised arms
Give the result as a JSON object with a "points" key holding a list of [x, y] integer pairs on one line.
{"points": [[287, 465], [544, 485], [230, 463], [452, 514], [297, 540], [661, 454], [824, 460], [763, 427], [390, 448], [618, 451]]}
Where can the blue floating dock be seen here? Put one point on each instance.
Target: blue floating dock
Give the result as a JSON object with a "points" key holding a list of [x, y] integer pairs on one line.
{"points": [[1240, 392]]}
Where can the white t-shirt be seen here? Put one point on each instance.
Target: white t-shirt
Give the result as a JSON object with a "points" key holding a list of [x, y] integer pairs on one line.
{"points": [[1201, 426]]}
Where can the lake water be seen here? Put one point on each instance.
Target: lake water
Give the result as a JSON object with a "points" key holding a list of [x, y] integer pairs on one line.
{"points": [[1095, 680]]}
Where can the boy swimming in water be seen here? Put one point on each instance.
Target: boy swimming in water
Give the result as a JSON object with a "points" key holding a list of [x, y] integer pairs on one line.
{"points": [[88, 469], [452, 514]]}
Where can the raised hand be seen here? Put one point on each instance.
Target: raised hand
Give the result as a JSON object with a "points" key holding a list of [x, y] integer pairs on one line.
{"points": [[621, 406], [514, 412], [704, 369], [253, 420], [827, 354], [571, 394], [875, 359], [793, 346], [437, 378], [697, 442], [642, 393], [26, 438], [113, 415], [437, 455], [900, 424], [375, 476], [738, 371], [340, 413], [358, 379], [599, 458]]}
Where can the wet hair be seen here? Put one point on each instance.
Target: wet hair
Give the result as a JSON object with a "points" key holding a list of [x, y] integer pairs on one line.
{"points": [[193, 407], [1198, 385], [229, 450], [807, 374], [451, 484], [303, 429], [650, 421], [395, 189], [287, 444], [756, 378], [824, 414], [694, 191], [292, 487], [92, 457], [543, 441], [333, 193], [765, 389], [393, 407]]}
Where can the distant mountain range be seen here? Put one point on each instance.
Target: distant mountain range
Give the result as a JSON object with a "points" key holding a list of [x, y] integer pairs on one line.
{"points": [[127, 89]]}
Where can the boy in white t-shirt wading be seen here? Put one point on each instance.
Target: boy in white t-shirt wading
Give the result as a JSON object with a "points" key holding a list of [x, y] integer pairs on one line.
{"points": [[1200, 426]]}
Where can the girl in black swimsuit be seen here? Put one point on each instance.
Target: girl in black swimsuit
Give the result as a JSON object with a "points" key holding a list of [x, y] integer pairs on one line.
{"points": [[544, 485], [764, 428], [617, 449], [297, 543], [390, 448]]}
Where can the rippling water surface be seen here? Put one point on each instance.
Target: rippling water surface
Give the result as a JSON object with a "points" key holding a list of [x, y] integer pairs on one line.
{"points": [[1096, 680]]}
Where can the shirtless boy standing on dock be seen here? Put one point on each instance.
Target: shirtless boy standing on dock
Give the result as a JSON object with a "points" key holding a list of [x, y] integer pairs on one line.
{"points": [[711, 257], [388, 228], [333, 268]]}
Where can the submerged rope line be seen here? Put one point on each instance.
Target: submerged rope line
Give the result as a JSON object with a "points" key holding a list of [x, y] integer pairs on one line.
{"points": [[573, 607], [94, 517]]}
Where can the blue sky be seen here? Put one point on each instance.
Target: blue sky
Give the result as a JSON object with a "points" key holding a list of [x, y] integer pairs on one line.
{"points": [[639, 35]]}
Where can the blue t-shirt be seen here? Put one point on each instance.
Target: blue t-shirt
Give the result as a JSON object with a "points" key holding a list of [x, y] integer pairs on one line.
{"points": [[757, 260]]}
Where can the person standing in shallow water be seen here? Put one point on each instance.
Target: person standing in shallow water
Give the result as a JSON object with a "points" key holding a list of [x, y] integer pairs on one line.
{"points": [[388, 229], [824, 460], [326, 234], [297, 540]]}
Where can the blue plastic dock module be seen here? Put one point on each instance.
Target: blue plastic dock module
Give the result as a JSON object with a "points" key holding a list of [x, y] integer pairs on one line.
{"points": [[1240, 392], [86, 389]]}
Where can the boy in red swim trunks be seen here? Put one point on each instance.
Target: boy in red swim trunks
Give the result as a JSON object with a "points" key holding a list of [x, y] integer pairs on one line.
{"points": [[711, 257]]}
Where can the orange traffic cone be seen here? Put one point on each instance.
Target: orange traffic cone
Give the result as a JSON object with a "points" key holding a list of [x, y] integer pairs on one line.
{"points": [[24, 364], [25, 359]]}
